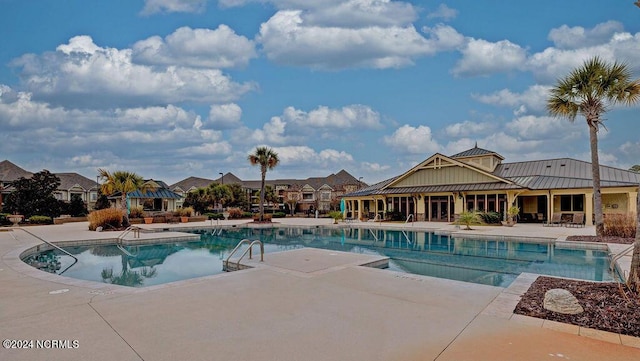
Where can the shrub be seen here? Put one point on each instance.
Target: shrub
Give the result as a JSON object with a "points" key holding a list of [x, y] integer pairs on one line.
{"points": [[620, 225], [468, 218], [136, 212], [105, 218], [247, 215], [40, 220], [490, 217], [213, 215], [336, 215], [279, 215], [186, 212], [235, 213], [3, 219]]}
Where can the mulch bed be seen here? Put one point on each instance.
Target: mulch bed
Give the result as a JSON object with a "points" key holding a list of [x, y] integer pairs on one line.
{"points": [[607, 306], [604, 239]]}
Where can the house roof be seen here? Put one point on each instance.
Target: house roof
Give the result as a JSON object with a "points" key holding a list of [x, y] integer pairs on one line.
{"points": [[70, 180], [10, 172], [474, 152], [333, 180]]}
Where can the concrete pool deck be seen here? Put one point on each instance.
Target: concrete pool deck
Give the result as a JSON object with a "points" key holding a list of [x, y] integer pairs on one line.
{"points": [[294, 310]]}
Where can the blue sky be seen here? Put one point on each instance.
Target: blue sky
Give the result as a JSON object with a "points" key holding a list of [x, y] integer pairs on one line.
{"points": [[177, 88]]}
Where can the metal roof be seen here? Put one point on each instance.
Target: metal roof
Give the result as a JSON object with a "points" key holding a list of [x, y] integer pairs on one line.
{"points": [[474, 152]]}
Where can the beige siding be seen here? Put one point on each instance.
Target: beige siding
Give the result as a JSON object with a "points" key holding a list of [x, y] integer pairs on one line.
{"points": [[446, 175]]}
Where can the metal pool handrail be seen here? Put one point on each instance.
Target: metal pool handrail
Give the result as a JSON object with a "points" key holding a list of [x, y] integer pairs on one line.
{"points": [[226, 262], [612, 265], [250, 252], [56, 247]]}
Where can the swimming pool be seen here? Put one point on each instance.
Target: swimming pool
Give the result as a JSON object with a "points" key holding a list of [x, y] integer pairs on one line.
{"points": [[494, 262]]}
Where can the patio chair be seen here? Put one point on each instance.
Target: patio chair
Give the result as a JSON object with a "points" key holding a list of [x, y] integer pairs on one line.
{"points": [[577, 221], [556, 220]]}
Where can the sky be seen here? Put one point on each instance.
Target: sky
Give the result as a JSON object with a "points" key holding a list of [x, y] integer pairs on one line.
{"points": [[175, 88]]}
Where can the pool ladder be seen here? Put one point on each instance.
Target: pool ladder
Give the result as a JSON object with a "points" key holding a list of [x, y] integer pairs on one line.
{"points": [[225, 266]]}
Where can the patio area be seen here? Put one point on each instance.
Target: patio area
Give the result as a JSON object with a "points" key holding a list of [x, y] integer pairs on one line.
{"points": [[316, 306]]}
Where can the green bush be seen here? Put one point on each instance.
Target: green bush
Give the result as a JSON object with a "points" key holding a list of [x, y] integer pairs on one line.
{"points": [[279, 215], [490, 217], [40, 220], [3, 219], [247, 215], [214, 216]]}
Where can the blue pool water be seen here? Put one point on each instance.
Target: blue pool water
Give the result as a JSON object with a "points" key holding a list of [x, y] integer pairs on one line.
{"points": [[491, 262]]}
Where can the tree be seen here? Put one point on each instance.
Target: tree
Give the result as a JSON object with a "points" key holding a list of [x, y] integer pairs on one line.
{"points": [[634, 272], [267, 159], [589, 91], [635, 168], [34, 196], [77, 207], [239, 196], [219, 194], [198, 199], [123, 182]]}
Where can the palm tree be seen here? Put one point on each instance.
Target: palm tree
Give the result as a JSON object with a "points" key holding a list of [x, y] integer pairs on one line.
{"points": [[267, 159], [123, 182], [589, 91]]}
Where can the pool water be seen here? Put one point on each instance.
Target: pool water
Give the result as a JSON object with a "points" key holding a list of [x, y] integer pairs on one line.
{"points": [[491, 262]]}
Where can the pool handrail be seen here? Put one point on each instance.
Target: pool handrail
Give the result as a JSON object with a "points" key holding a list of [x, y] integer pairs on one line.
{"points": [[612, 265], [225, 266], [56, 247]]}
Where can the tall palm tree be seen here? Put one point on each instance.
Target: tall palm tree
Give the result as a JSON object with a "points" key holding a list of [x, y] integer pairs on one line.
{"points": [[123, 182], [589, 91], [267, 159]]}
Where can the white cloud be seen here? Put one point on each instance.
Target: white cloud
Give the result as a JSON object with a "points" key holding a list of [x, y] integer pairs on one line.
{"points": [[173, 6], [566, 37], [287, 39], [219, 48], [468, 128], [82, 74], [308, 157], [553, 63], [350, 116], [374, 167], [534, 98], [412, 140], [443, 12], [544, 127], [361, 13], [272, 132], [225, 116], [481, 57]]}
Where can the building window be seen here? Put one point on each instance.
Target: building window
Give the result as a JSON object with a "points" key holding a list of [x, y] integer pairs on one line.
{"points": [[94, 196], [325, 196], [307, 196], [58, 196], [572, 203]]}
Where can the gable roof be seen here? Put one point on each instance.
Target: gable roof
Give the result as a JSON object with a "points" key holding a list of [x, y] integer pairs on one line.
{"points": [[475, 152], [10, 172], [70, 180]]}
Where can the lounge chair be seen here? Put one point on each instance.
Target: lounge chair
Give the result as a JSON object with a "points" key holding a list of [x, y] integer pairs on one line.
{"points": [[556, 220], [577, 221]]}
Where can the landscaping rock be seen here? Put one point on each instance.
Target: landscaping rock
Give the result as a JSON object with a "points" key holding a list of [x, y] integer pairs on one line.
{"points": [[562, 301]]}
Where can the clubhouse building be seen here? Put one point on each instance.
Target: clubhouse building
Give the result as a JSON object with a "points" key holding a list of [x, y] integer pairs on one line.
{"points": [[441, 187]]}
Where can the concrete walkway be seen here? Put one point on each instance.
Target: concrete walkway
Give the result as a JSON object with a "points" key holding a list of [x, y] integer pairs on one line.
{"points": [[305, 306]]}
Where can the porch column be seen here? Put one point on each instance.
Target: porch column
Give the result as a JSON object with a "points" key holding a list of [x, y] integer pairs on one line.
{"points": [[588, 208], [633, 203]]}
